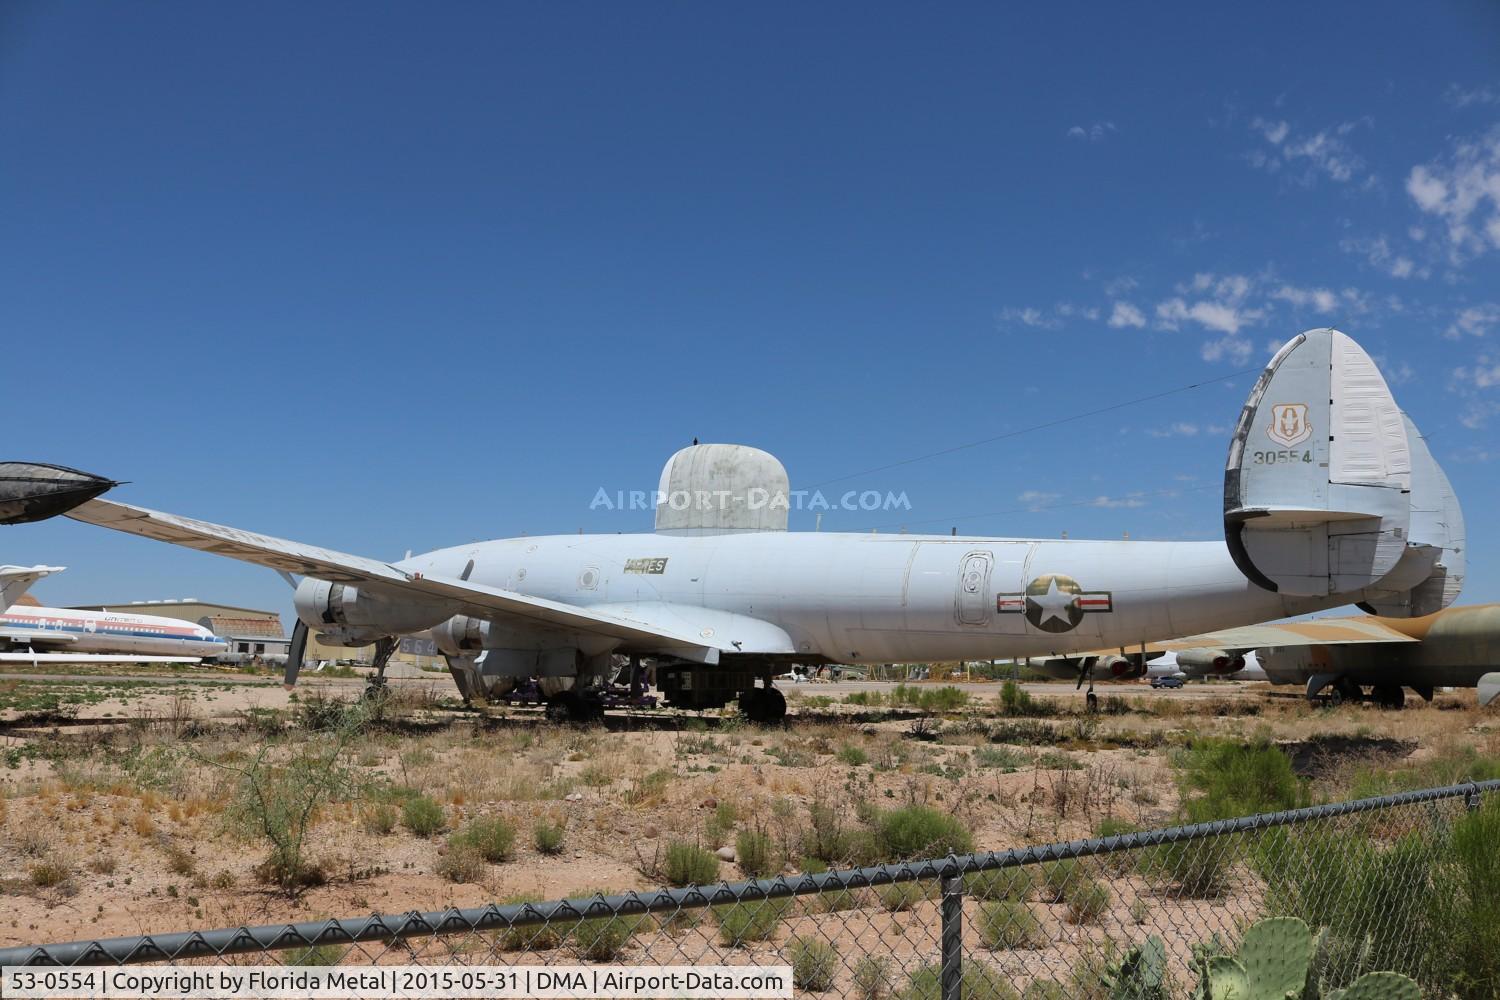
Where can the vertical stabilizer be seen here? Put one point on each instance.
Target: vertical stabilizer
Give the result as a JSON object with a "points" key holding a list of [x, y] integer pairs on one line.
{"points": [[1431, 571], [16, 580], [1317, 486]]}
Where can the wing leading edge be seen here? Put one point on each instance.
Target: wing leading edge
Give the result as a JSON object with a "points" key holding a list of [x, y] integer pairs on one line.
{"points": [[490, 603]]}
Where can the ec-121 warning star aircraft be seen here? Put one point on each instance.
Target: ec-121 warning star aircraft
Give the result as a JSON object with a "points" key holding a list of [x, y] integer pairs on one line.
{"points": [[1330, 498]]}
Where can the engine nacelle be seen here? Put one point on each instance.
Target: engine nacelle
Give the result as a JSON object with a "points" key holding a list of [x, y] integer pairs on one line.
{"points": [[460, 635], [1120, 668], [345, 615], [1209, 661]]}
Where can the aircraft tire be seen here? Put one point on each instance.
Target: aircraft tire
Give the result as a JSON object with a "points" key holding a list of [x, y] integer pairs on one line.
{"points": [[1344, 690], [1389, 696], [775, 704], [763, 705]]}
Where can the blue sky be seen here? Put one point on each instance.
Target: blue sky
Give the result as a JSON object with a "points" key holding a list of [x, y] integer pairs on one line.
{"points": [[388, 277]]}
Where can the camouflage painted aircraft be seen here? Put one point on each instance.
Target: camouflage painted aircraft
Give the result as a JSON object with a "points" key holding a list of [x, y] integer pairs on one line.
{"points": [[1330, 497], [1456, 647]]}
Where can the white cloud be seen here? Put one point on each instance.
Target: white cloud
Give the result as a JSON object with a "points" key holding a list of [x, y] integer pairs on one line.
{"points": [[1117, 502], [1325, 152], [1275, 132], [1233, 348], [1116, 287], [1463, 190], [1028, 316], [1125, 314], [1473, 321], [1319, 300], [1096, 132], [1461, 98], [1037, 499], [1378, 252], [1219, 316], [1179, 429]]}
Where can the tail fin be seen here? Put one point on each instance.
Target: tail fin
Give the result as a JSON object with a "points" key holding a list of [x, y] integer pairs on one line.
{"points": [[1317, 489], [1431, 571], [16, 580]]}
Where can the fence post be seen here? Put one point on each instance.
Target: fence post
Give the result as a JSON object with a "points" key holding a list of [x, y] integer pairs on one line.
{"points": [[953, 937]]}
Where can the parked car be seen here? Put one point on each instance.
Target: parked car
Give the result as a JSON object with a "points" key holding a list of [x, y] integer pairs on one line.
{"points": [[1167, 682]]}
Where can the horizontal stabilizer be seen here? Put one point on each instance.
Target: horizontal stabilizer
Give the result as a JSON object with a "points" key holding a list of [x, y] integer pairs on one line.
{"points": [[16, 580], [1316, 489]]}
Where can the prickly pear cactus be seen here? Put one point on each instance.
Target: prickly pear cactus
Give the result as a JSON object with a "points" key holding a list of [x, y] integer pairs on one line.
{"points": [[1380, 986], [1275, 954], [1141, 974], [1224, 979]]}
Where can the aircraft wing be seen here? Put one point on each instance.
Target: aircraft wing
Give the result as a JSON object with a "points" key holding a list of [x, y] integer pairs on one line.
{"points": [[654, 628], [35, 637], [1315, 632]]}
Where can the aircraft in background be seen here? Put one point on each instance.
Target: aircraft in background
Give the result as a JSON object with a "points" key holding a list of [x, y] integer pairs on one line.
{"points": [[1455, 647], [34, 634], [1331, 497], [1238, 668]]}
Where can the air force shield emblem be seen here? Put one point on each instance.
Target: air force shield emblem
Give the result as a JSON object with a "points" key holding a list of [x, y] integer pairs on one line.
{"points": [[1289, 424]]}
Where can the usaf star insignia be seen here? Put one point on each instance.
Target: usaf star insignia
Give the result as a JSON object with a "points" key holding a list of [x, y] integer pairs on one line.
{"points": [[1054, 603]]}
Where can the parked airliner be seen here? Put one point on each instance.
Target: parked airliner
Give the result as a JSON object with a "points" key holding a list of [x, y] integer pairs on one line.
{"points": [[31, 634]]}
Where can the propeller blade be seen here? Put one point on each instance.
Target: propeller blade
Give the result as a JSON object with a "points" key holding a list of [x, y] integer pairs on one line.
{"points": [[295, 652]]}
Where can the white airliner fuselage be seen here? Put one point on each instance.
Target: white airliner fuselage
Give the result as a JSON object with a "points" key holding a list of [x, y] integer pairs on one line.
{"points": [[103, 632]]}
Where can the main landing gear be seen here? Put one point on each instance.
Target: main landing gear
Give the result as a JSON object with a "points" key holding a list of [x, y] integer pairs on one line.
{"points": [[575, 707], [1337, 691], [764, 704], [375, 685]]}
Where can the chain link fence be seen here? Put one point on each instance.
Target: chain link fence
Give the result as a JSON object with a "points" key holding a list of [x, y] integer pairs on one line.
{"points": [[1386, 880]]}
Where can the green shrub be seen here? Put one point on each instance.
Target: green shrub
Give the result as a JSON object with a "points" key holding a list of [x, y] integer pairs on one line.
{"points": [[755, 853], [1087, 901], [853, 755], [1057, 876], [1008, 924], [1012, 884], [548, 837], [50, 874], [460, 862], [1001, 757], [901, 896], [1224, 778], [531, 937], [490, 837], [320, 954], [1199, 868], [752, 920], [814, 964], [1045, 989], [921, 832], [422, 816], [378, 818], [980, 982], [689, 864], [872, 978], [601, 939], [943, 699]]}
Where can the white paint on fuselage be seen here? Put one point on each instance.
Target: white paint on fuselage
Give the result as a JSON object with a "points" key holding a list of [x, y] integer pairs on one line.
{"points": [[885, 598], [108, 632]]}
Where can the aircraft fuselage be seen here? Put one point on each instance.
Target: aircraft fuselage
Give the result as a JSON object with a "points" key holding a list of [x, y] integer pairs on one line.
{"points": [[855, 598]]}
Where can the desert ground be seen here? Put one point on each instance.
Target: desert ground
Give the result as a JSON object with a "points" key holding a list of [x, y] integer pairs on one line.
{"points": [[124, 789]]}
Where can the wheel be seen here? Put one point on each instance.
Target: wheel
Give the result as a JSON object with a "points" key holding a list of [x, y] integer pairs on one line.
{"points": [[1391, 696], [375, 689], [1344, 690], [750, 705], [570, 706], [763, 704]]}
